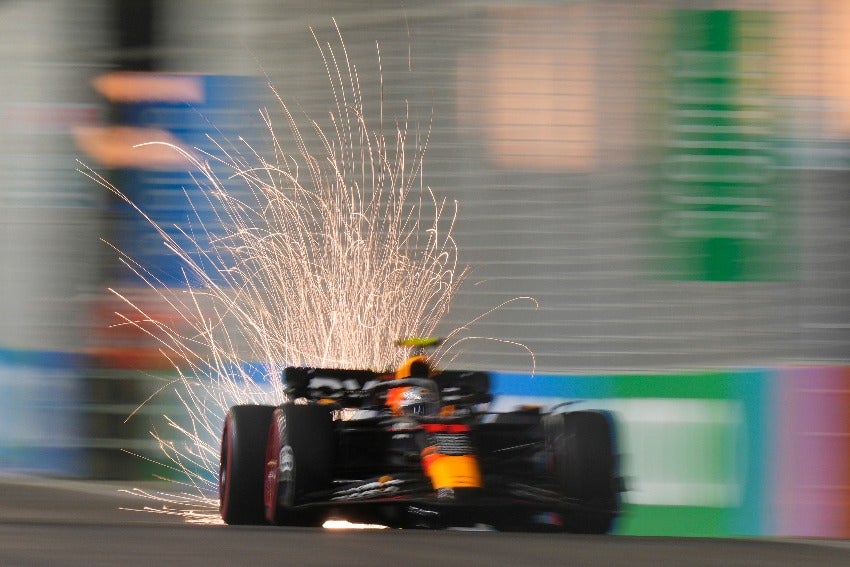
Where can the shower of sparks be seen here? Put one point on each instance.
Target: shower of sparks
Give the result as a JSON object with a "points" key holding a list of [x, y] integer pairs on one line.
{"points": [[322, 259]]}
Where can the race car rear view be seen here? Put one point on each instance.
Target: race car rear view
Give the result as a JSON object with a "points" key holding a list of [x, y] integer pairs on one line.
{"points": [[415, 448]]}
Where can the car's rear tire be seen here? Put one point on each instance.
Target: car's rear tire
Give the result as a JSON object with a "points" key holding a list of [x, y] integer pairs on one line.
{"points": [[243, 451], [299, 458], [583, 451]]}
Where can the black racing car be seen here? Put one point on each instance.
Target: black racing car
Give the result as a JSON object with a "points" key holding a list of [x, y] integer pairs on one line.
{"points": [[415, 448]]}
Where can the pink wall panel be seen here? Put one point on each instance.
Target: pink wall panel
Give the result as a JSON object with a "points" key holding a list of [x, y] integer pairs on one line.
{"points": [[812, 461]]}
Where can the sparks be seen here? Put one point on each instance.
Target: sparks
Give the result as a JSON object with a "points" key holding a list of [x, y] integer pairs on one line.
{"points": [[325, 258]]}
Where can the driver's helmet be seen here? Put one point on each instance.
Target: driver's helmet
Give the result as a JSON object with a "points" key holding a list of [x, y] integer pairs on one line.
{"points": [[414, 367], [413, 400]]}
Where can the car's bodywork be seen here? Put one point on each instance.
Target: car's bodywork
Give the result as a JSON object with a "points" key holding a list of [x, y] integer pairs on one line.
{"points": [[415, 448]]}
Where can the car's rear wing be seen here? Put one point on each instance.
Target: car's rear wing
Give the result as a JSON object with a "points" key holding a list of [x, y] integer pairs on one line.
{"points": [[356, 388]]}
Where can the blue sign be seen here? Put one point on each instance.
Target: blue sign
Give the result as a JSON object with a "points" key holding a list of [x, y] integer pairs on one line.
{"points": [[179, 201]]}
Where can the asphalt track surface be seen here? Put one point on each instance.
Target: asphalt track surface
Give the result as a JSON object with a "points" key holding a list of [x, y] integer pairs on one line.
{"points": [[71, 523]]}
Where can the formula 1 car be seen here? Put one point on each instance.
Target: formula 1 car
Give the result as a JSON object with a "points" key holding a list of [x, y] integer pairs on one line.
{"points": [[415, 448]]}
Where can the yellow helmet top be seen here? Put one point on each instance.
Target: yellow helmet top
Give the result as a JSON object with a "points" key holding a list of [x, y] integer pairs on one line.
{"points": [[418, 342]]}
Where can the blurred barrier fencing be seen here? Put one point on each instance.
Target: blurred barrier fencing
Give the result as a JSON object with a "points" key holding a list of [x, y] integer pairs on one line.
{"points": [[122, 412], [763, 451], [42, 421], [62, 415]]}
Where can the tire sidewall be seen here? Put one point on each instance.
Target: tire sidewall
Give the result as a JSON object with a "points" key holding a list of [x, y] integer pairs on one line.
{"points": [[241, 464]]}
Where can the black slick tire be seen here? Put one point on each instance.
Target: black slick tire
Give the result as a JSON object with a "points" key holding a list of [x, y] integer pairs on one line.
{"points": [[242, 463], [583, 452]]}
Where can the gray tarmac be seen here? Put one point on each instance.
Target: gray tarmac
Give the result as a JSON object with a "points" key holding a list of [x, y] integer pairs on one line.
{"points": [[79, 523]]}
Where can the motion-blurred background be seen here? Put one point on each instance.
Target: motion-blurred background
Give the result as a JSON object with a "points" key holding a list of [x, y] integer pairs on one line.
{"points": [[668, 178]]}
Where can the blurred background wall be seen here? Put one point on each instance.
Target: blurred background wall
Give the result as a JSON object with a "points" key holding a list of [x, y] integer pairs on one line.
{"points": [[665, 178], [50, 221], [668, 179]]}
